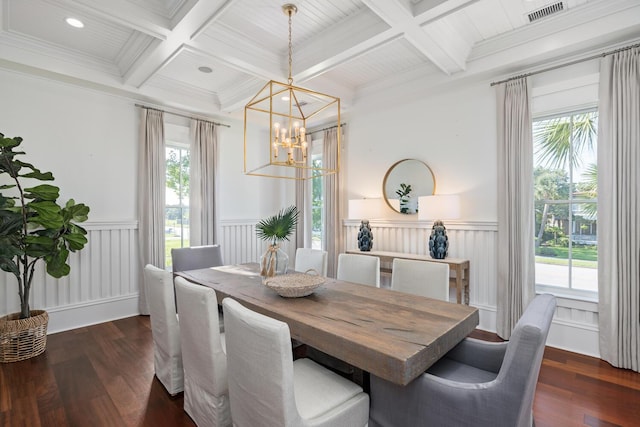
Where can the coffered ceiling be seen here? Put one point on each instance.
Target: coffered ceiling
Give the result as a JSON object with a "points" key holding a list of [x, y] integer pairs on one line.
{"points": [[152, 50]]}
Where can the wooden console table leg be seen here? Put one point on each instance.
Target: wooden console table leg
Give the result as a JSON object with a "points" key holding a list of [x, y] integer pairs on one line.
{"points": [[459, 284], [466, 285]]}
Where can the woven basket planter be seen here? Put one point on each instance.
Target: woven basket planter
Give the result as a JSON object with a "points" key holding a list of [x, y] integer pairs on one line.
{"points": [[22, 339]]}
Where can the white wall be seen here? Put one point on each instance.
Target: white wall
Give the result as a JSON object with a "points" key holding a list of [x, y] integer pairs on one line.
{"points": [[89, 140], [246, 197], [454, 132], [83, 137]]}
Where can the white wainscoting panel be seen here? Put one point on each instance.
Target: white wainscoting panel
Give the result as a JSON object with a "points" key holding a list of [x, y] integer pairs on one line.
{"points": [[239, 243], [575, 325], [473, 241], [102, 285]]}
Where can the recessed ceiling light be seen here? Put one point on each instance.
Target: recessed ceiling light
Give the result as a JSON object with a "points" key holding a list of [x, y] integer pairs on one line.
{"points": [[76, 23], [285, 98], [205, 69]]}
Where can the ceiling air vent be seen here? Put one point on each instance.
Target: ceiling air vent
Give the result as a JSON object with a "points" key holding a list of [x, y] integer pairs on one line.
{"points": [[546, 11]]}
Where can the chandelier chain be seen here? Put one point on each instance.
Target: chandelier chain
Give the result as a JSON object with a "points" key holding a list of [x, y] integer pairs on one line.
{"points": [[288, 111], [290, 49]]}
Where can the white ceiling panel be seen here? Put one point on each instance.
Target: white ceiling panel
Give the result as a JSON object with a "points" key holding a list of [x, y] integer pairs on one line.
{"points": [[42, 20], [184, 68], [152, 48], [389, 59], [264, 20], [488, 16]]}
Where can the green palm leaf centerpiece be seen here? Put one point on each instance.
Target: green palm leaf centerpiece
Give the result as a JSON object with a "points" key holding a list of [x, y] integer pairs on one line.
{"points": [[276, 229]]}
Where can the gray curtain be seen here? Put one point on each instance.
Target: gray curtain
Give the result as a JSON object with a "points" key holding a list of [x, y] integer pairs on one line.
{"points": [[516, 256], [301, 204], [332, 200], [202, 183], [619, 209], [151, 195]]}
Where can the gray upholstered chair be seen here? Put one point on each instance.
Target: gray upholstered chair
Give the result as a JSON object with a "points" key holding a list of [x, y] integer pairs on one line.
{"points": [[476, 384], [268, 389], [165, 330], [206, 390], [426, 278], [362, 269], [311, 259], [196, 257]]}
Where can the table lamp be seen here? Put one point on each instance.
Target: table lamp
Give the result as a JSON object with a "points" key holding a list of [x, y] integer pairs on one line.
{"points": [[437, 208], [365, 209]]}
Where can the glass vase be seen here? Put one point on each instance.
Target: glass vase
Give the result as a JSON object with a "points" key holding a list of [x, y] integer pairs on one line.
{"points": [[273, 262]]}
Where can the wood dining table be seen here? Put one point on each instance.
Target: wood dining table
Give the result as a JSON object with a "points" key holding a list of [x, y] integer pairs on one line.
{"points": [[390, 334]]}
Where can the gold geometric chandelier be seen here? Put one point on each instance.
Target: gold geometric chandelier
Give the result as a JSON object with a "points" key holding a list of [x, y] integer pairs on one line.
{"points": [[286, 113]]}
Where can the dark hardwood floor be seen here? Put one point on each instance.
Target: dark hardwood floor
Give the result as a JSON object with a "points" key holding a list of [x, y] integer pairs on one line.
{"points": [[103, 376]]}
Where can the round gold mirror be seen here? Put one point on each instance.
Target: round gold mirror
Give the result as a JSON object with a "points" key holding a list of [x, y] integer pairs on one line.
{"points": [[405, 182]]}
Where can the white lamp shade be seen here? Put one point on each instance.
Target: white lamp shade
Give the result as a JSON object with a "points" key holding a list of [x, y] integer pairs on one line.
{"points": [[440, 206], [366, 208]]}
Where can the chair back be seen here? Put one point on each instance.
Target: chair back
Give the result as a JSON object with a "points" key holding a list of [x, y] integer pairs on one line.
{"points": [[196, 257], [165, 330], [362, 269], [203, 357], [425, 278], [260, 368], [311, 259], [522, 360]]}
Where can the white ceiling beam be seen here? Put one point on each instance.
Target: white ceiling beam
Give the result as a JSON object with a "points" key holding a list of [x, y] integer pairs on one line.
{"points": [[554, 41], [429, 10], [236, 98], [340, 43], [235, 50], [399, 16], [205, 11], [364, 31]]}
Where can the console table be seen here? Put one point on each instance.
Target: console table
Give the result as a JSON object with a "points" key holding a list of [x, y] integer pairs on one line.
{"points": [[459, 266]]}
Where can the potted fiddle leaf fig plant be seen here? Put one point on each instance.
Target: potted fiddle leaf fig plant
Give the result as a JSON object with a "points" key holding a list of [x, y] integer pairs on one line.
{"points": [[33, 227], [276, 229]]}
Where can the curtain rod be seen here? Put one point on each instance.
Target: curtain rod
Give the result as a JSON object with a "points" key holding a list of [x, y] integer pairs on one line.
{"points": [[330, 127], [555, 67], [182, 115]]}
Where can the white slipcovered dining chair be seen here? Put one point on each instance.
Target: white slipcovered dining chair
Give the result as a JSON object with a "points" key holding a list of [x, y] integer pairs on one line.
{"points": [[311, 259], [165, 330], [196, 257], [268, 389], [476, 384], [362, 269], [424, 278], [206, 395]]}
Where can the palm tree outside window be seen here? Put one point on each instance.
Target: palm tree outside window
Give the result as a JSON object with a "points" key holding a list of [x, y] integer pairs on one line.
{"points": [[565, 200]]}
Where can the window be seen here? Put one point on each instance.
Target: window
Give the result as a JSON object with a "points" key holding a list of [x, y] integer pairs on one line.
{"points": [[176, 199], [565, 195], [317, 205]]}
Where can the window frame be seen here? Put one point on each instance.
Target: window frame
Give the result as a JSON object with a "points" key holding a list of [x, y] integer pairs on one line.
{"points": [[557, 290]]}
